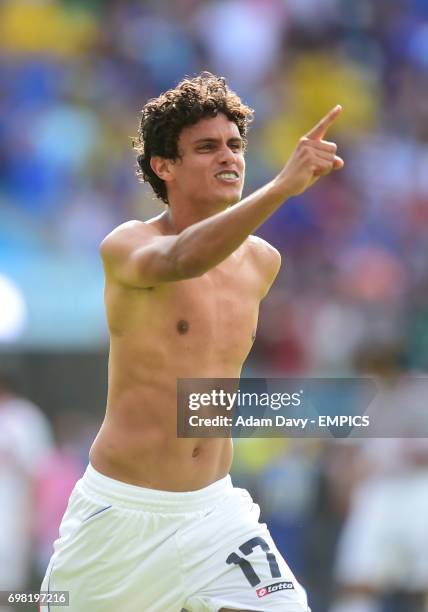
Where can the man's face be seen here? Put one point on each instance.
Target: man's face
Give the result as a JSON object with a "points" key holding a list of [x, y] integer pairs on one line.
{"points": [[211, 168]]}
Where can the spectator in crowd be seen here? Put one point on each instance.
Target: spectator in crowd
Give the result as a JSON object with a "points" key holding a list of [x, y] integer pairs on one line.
{"points": [[381, 551], [25, 439]]}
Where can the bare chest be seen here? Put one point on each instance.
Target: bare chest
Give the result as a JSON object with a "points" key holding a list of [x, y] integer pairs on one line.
{"points": [[210, 317], [224, 312]]}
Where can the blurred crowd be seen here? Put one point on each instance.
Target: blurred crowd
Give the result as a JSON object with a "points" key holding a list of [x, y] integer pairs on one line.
{"points": [[75, 74]]}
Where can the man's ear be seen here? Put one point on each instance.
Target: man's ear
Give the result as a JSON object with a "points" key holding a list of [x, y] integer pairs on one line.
{"points": [[162, 167]]}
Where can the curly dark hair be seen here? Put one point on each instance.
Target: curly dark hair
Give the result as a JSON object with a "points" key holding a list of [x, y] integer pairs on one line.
{"points": [[163, 118]]}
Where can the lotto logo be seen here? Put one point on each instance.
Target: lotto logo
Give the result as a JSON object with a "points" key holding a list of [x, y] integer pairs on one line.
{"points": [[273, 588]]}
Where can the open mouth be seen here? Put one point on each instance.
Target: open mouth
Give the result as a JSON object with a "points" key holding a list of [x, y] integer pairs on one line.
{"points": [[229, 176]]}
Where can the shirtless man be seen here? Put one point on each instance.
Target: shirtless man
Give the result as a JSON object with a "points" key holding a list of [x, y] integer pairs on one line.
{"points": [[155, 524]]}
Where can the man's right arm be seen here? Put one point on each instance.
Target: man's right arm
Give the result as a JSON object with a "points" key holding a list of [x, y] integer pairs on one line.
{"points": [[143, 259]]}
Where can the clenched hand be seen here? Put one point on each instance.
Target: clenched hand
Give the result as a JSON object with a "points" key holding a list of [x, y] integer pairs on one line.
{"points": [[312, 158]]}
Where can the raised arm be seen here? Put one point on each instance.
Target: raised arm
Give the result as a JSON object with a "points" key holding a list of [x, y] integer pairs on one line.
{"points": [[141, 258]]}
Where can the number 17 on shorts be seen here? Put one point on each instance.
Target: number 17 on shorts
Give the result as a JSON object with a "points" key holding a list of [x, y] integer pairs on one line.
{"points": [[250, 573]]}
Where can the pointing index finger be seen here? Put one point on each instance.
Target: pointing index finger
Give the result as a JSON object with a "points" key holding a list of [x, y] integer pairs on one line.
{"points": [[319, 130]]}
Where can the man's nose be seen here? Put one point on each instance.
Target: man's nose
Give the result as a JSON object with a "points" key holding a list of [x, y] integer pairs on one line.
{"points": [[225, 155]]}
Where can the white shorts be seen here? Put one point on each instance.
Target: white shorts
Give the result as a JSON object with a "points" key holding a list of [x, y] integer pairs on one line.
{"points": [[127, 548]]}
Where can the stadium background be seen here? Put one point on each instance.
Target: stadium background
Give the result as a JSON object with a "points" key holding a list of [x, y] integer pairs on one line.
{"points": [[353, 290]]}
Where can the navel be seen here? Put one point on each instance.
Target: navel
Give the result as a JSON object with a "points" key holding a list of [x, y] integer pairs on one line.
{"points": [[182, 326], [195, 452]]}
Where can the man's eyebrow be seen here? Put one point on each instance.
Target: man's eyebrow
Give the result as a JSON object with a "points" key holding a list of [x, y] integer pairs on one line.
{"points": [[211, 139]]}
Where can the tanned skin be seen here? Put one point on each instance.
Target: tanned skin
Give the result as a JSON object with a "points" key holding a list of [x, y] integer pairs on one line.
{"points": [[182, 298]]}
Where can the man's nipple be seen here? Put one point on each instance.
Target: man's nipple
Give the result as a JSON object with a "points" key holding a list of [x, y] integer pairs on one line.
{"points": [[182, 326]]}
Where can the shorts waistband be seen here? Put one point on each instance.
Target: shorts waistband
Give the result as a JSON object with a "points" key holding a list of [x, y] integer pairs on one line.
{"points": [[116, 492]]}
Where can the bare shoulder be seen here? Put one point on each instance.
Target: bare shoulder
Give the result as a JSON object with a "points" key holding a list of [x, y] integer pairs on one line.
{"points": [[137, 254], [267, 259], [266, 255], [126, 236]]}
